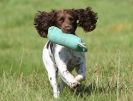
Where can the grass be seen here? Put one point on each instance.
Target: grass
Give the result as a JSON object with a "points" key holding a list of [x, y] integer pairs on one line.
{"points": [[109, 60]]}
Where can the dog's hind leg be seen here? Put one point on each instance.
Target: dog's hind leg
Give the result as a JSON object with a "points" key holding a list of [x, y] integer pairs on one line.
{"points": [[81, 70]]}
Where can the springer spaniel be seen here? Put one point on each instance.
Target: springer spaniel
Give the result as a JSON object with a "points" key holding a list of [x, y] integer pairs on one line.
{"points": [[57, 58]]}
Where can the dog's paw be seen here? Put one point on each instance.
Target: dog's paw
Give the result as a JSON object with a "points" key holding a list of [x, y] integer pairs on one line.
{"points": [[74, 84], [56, 95], [79, 78]]}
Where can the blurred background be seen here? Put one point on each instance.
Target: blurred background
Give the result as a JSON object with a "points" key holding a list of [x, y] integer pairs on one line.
{"points": [[110, 44]]}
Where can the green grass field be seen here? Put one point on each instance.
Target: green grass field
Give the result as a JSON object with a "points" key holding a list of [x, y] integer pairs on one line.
{"points": [[109, 60]]}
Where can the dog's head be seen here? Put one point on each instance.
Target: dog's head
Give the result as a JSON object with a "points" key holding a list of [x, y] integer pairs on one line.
{"points": [[67, 20]]}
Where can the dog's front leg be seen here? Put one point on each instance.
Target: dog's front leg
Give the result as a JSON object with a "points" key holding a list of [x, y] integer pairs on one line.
{"points": [[61, 58], [52, 72]]}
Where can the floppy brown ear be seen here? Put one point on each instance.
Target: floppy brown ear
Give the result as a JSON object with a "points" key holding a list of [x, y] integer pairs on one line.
{"points": [[42, 21], [87, 19]]}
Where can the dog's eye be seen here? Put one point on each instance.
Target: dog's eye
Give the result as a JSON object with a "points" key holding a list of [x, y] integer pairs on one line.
{"points": [[71, 19], [61, 19]]}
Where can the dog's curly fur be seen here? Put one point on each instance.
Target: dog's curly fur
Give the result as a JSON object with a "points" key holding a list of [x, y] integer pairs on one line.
{"points": [[85, 18]]}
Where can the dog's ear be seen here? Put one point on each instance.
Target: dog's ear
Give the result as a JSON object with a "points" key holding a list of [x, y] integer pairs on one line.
{"points": [[86, 19], [43, 20]]}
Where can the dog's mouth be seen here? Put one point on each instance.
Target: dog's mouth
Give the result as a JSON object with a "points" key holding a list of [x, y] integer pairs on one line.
{"points": [[69, 31]]}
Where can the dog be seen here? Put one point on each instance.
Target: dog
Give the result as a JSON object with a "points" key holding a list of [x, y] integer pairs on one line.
{"points": [[60, 59]]}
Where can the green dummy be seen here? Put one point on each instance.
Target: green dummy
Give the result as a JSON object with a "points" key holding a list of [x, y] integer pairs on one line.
{"points": [[55, 35]]}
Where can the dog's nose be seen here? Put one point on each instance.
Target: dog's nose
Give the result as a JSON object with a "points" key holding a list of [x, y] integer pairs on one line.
{"points": [[68, 27]]}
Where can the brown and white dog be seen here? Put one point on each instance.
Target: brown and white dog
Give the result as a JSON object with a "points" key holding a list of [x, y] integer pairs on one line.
{"points": [[57, 58]]}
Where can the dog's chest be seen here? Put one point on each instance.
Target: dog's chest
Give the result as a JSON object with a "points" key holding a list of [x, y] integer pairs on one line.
{"points": [[73, 62]]}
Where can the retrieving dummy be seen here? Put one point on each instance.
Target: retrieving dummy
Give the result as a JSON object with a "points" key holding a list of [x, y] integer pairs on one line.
{"points": [[55, 35]]}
